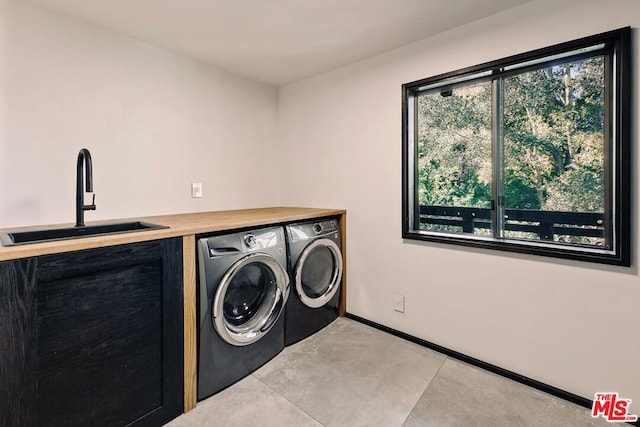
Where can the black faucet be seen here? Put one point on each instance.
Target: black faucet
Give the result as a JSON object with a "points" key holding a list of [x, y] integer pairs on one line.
{"points": [[84, 159]]}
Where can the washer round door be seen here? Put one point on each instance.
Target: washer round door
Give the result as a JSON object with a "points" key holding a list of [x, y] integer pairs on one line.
{"points": [[249, 299], [318, 273]]}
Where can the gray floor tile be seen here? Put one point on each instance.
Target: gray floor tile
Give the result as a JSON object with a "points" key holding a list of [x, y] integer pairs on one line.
{"points": [[462, 395], [246, 403], [349, 374]]}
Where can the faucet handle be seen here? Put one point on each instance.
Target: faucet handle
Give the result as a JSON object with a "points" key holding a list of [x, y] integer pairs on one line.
{"points": [[92, 206]]}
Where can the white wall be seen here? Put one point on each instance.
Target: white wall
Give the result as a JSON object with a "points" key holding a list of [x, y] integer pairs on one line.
{"points": [[153, 121], [569, 324]]}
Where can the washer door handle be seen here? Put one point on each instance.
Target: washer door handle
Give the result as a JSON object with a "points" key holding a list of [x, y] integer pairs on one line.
{"points": [[275, 313]]}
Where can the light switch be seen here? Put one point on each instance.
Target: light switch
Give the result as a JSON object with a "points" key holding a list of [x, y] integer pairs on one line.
{"points": [[398, 303], [196, 190]]}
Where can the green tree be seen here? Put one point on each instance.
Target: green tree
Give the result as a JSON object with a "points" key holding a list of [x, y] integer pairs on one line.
{"points": [[552, 136], [553, 129], [454, 147]]}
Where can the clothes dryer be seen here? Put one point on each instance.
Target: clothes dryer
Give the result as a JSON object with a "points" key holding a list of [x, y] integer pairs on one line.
{"points": [[243, 289], [315, 268]]}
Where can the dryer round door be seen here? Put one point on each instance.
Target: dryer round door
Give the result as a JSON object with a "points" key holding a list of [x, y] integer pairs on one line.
{"points": [[249, 299], [318, 273]]}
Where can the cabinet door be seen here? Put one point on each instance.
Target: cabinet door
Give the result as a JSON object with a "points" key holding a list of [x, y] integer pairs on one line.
{"points": [[108, 336], [18, 392]]}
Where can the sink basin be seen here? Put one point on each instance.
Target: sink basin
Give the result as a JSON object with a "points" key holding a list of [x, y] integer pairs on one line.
{"points": [[53, 234]]}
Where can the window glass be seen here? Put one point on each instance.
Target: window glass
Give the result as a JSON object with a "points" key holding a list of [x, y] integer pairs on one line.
{"points": [[527, 154], [317, 272], [454, 157], [554, 148], [247, 292]]}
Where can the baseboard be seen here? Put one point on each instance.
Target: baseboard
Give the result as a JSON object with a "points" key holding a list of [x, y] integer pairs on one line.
{"points": [[554, 391]]}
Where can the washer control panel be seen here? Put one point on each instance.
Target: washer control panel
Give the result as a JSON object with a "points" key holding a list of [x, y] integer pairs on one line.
{"points": [[271, 238], [250, 241]]}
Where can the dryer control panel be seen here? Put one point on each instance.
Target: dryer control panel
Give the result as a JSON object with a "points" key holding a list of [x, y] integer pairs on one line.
{"points": [[325, 226], [329, 228]]}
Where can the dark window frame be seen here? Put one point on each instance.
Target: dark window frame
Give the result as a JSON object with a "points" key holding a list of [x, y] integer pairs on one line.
{"points": [[618, 44]]}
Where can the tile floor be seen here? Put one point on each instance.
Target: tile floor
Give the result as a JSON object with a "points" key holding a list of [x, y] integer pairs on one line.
{"points": [[350, 374]]}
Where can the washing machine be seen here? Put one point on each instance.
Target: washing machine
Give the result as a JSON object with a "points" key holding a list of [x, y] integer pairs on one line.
{"points": [[315, 267], [243, 290]]}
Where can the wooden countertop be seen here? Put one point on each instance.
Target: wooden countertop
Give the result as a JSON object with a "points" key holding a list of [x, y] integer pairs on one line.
{"points": [[179, 225]]}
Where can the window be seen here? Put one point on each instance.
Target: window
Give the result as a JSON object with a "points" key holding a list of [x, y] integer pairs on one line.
{"points": [[527, 154]]}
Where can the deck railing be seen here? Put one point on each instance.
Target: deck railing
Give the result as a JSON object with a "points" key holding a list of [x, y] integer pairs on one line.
{"points": [[546, 224]]}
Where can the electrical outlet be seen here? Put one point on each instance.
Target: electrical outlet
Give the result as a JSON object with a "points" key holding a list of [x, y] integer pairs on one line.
{"points": [[398, 303], [196, 190]]}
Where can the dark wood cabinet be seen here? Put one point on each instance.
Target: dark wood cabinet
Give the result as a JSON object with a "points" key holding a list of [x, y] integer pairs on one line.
{"points": [[93, 337]]}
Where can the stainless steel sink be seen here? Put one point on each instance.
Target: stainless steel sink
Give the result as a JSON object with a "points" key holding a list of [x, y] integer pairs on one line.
{"points": [[52, 234]]}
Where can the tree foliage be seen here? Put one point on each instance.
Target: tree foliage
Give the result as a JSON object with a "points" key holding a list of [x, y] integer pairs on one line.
{"points": [[553, 141], [454, 147]]}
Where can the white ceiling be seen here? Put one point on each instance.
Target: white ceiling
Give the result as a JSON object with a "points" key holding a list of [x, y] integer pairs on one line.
{"points": [[278, 41]]}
